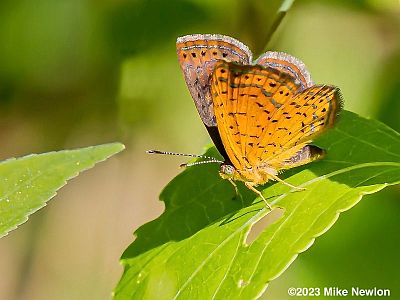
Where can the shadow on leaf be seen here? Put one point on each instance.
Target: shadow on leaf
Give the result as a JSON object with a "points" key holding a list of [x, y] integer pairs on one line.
{"points": [[193, 200]]}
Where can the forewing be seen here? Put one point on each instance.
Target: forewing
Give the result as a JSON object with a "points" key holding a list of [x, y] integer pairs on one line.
{"points": [[197, 55], [246, 101]]}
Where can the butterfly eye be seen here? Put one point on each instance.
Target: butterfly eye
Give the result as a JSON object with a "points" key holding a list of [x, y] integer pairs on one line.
{"points": [[227, 170]]}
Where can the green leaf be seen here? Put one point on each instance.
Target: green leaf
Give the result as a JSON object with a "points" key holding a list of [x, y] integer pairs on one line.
{"points": [[197, 248], [27, 183]]}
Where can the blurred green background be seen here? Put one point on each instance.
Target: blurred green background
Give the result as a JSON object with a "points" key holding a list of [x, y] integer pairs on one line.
{"points": [[76, 73]]}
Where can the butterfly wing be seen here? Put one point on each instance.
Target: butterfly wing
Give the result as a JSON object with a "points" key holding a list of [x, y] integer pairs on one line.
{"points": [[246, 99], [288, 64], [259, 112], [308, 114], [197, 55], [306, 154]]}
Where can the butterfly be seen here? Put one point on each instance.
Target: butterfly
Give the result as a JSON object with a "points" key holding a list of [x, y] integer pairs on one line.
{"points": [[261, 116]]}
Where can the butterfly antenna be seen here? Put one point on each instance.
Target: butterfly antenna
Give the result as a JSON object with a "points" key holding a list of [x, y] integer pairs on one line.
{"points": [[210, 159], [200, 163]]}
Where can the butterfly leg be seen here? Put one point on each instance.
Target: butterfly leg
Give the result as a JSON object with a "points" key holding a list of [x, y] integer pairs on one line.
{"points": [[236, 189], [286, 183], [234, 185], [251, 187]]}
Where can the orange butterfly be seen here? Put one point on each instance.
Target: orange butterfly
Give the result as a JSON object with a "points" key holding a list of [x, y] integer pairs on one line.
{"points": [[262, 117]]}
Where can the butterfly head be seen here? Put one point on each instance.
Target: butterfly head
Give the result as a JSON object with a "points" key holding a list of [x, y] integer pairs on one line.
{"points": [[227, 171]]}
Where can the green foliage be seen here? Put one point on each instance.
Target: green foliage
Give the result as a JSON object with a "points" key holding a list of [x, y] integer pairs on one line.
{"points": [[27, 183], [132, 23], [198, 248]]}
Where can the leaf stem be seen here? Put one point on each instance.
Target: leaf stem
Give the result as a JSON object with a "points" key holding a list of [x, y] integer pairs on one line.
{"points": [[281, 13]]}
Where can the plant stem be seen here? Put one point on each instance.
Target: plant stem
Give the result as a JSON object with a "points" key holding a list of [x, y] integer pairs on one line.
{"points": [[281, 13]]}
